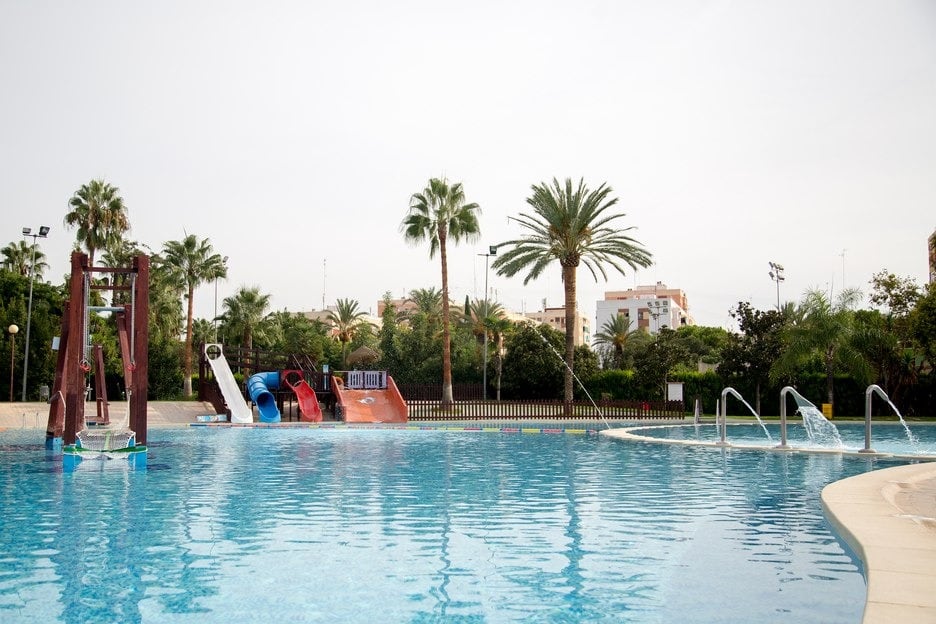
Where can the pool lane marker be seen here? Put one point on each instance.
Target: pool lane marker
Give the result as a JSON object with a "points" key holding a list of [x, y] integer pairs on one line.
{"points": [[408, 427]]}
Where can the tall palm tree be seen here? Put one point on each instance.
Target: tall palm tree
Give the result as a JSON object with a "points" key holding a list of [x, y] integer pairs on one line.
{"points": [[823, 329], [482, 313], [165, 302], [99, 213], [346, 320], [614, 336], [194, 263], [245, 314], [18, 257], [120, 253], [485, 320], [439, 214], [427, 315], [570, 225]]}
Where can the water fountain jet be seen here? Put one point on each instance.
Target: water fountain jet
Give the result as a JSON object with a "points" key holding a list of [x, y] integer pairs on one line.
{"points": [[724, 415], [869, 395]]}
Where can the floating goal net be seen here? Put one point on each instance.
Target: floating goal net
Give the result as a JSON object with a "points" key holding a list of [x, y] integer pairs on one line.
{"points": [[106, 439]]}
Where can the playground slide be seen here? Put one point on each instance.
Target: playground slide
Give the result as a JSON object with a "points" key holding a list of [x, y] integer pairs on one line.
{"points": [[371, 406], [309, 407], [240, 411], [259, 386]]}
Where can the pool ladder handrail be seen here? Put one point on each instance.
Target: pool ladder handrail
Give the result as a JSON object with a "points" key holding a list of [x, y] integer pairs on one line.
{"points": [[869, 394]]}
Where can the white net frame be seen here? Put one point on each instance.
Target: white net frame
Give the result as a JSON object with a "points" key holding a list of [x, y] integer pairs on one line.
{"points": [[105, 439]]}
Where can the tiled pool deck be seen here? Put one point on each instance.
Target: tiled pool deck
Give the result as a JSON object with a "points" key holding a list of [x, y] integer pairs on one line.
{"points": [[887, 516]]}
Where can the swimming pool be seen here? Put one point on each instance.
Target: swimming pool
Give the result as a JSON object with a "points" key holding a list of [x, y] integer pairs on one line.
{"points": [[314, 525]]}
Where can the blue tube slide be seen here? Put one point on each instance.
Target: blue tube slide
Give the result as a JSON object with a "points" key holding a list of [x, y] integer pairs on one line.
{"points": [[259, 386]]}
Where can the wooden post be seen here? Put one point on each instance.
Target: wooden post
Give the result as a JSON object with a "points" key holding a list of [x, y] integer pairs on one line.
{"points": [[56, 426], [74, 374], [140, 386]]}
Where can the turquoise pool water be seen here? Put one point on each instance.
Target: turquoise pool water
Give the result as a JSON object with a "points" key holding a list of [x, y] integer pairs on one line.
{"points": [[315, 525]]}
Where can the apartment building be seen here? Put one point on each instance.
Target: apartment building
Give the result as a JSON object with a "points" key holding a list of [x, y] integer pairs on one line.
{"points": [[555, 318], [649, 308]]}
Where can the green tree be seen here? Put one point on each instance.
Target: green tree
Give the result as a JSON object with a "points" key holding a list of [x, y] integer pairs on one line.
{"points": [[532, 369], [18, 258], [704, 343], [439, 214], [894, 295], [166, 318], [295, 334], [662, 356], [120, 253], [923, 325], [571, 225], [824, 331], [892, 359], [750, 354], [98, 212], [347, 320], [193, 262], [389, 346], [613, 338], [245, 315], [482, 319]]}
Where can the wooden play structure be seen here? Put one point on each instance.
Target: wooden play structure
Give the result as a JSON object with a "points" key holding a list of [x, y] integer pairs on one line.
{"points": [[77, 357]]}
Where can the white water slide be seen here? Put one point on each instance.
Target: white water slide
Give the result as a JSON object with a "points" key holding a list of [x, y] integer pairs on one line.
{"points": [[240, 411]]}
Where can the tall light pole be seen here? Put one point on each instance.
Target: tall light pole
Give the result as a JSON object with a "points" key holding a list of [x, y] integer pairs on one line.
{"points": [[776, 274], [43, 232], [13, 329], [492, 251]]}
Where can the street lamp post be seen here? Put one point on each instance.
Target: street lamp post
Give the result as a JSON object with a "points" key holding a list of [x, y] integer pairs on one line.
{"points": [[492, 251], [13, 329], [43, 232], [776, 274]]}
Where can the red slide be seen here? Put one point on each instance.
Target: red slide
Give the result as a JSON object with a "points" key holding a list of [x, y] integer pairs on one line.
{"points": [[309, 408]]}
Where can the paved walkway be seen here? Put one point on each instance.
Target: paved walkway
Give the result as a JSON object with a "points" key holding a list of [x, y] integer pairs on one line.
{"points": [[888, 517], [158, 413]]}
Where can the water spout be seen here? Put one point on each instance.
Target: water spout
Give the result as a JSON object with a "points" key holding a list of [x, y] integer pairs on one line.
{"points": [[724, 417], [783, 417], [869, 395], [814, 421]]}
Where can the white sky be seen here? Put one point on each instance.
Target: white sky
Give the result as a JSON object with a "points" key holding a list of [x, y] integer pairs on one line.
{"points": [[733, 133]]}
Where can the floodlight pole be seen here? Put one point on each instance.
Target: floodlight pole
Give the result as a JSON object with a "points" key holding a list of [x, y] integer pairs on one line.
{"points": [[776, 274], [43, 231]]}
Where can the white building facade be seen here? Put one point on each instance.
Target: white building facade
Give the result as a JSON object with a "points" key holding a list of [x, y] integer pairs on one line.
{"points": [[649, 308]]}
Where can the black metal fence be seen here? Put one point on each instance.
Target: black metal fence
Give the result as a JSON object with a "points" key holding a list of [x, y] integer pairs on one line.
{"points": [[546, 410]]}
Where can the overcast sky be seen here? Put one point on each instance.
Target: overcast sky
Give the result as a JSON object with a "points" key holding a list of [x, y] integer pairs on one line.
{"points": [[292, 134]]}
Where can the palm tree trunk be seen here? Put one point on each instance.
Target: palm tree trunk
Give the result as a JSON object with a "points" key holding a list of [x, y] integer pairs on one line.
{"points": [[568, 280], [500, 368], [447, 398], [187, 381]]}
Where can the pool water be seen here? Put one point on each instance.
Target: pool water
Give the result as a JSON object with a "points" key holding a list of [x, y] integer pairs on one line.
{"points": [[306, 525]]}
